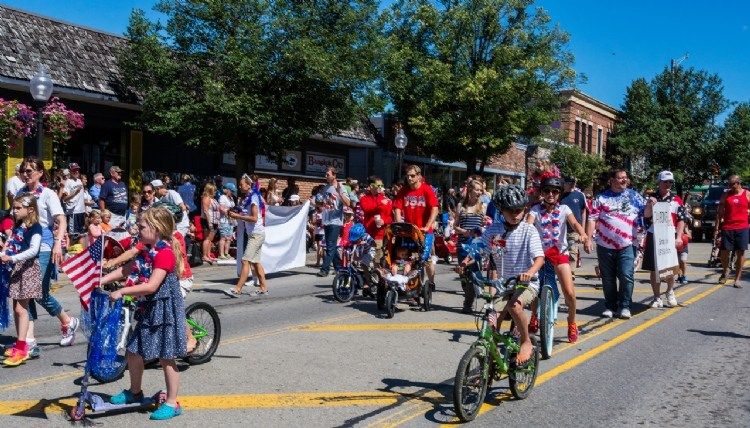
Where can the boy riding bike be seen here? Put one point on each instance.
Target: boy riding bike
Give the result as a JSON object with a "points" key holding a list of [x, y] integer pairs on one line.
{"points": [[522, 257]]}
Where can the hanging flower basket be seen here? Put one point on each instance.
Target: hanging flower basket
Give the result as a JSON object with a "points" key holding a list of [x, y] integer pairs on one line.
{"points": [[16, 123], [60, 122]]}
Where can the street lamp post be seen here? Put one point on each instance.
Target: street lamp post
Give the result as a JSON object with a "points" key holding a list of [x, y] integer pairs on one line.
{"points": [[400, 141], [41, 87]]}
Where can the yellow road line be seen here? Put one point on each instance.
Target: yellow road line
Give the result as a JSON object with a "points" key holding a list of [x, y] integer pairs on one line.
{"points": [[242, 401]]}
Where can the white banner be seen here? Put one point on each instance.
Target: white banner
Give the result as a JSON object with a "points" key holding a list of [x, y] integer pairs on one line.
{"points": [[284, 247], [665, 252]]}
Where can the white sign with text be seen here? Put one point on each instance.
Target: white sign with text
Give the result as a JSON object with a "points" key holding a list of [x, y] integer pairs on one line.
{"points": [[318, 162], [665, 252]]}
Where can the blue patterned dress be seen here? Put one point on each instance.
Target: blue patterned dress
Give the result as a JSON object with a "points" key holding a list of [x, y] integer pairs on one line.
{"points": [[160, 328]]}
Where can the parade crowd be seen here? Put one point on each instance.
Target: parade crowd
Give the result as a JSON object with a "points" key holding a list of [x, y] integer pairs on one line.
{"points": [[176, 226]]}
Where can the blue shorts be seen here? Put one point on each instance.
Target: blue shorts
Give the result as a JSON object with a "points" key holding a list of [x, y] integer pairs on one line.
{"points": [[734, 240], [429, 245]]}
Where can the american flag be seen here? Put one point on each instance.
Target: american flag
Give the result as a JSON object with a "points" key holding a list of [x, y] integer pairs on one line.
{"points": [[85, 270]]}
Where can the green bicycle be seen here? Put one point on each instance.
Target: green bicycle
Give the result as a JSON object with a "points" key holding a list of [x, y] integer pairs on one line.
{"points": [[491, 356]]}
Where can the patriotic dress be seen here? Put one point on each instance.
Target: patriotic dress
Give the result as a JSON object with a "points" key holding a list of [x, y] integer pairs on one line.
{"points": [[160, 331], [26, 275]]}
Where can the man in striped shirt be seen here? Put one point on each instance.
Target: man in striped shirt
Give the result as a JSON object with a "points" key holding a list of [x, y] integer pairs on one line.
{"points": [[616, 214]]}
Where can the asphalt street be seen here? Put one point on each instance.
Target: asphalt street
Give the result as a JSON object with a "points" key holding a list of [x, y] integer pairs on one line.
{"points": [[297, 357]]}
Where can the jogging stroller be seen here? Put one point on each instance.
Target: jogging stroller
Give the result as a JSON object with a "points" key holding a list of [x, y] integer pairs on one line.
{"points": [[400, 237]]}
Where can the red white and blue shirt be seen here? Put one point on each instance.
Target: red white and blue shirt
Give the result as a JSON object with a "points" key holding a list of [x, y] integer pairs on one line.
{"points": [[617, 217], [552, 226]]}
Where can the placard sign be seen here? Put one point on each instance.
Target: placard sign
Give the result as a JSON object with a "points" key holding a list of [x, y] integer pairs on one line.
{"points": [[292, 161], [665, 252], [264, 162], [318, 162]]}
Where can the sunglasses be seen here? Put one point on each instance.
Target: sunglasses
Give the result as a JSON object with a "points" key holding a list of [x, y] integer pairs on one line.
{"points": [[27, 171], [734, 182], [148, 192], [551, 190]]}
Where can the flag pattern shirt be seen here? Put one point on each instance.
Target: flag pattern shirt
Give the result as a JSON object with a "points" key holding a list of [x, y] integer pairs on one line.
{"points": [[617, 217], [552, 226], [85, 270]]}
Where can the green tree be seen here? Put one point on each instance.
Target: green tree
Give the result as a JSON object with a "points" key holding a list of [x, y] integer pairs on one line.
{"points": [[734, 142], [253, 76], [670, 123], [572, 161], [468, 77]]}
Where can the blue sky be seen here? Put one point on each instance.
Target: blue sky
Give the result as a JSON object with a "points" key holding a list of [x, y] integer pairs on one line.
{"points": [[614, 42]]}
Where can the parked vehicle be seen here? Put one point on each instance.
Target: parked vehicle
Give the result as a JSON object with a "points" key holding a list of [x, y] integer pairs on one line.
{"points": [[709, 204]]}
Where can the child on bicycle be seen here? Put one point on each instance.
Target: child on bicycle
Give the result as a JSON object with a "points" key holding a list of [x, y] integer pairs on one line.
{"points": [[22, 250], [522, 257], [551, 220], [365, 252], [160, 329]]}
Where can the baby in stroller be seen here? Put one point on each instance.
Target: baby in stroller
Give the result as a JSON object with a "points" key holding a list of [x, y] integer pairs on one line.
{"points": [[403, 263]]}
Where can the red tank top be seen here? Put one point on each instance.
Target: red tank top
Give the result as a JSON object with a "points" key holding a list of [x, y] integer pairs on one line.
{"points": [[735, 212]]}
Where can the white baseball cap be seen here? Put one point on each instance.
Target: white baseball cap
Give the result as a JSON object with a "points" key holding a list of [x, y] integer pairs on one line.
{"points": [[157, 183], [666, 176]]}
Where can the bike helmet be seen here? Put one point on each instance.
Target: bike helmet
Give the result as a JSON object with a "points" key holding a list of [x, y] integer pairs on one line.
{"points": [[511, 197], [356, 232], [554, 182]]}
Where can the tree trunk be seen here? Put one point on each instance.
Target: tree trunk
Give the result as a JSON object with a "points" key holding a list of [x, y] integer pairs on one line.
{"points": [[471, 166]]}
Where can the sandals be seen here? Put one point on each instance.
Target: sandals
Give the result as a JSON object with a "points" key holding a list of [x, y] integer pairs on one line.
{"points": [[259, 293], [126, 397], [165, 411], [533, 324]]}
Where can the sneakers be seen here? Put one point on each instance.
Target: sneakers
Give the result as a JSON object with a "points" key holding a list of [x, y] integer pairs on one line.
{"points": [[682, 279], [657, 303], [34, 351], [625, 314], [723, 279], [126, 397], [671, 299], [737, 285], [572, 332], [533, 324], [16, 358], [608, 314], [69, 332], [231, 292], [165, 411], [322, 274]]}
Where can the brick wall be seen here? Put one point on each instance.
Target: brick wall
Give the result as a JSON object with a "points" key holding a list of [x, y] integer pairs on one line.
{"points": [[512, 160], [305, 184], [572, 111]]}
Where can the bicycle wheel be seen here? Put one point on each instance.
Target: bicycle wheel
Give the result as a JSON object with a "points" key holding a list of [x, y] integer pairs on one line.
{"points": [[205, 325], [426, 297], [390, 303], [546, 321], [470, 385], [120, 363], [522, 378], [343, 287], [380, 297]]}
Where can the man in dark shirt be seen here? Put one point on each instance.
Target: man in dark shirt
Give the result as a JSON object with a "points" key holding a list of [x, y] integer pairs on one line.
{"points": [[114, 197], [576, 201]]}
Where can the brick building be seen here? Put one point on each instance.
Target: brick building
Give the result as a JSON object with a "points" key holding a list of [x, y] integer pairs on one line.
{"points": [[586, 121]]}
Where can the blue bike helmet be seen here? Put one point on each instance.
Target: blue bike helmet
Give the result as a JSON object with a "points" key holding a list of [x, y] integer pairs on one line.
{"points": [[356, 232]]}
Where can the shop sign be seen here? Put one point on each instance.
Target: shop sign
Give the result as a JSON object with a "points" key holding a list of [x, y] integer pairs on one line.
{"points": [[264, 162], [318, 162], [228, 158], [292, 161]]}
